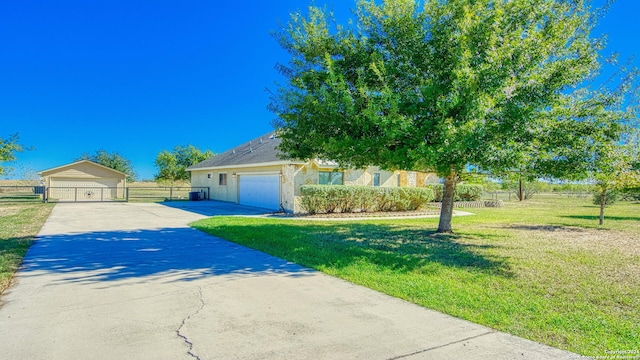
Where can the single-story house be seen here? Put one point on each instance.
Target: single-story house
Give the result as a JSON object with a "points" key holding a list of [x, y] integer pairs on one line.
{"points": [[84, 180], [254, 174]]}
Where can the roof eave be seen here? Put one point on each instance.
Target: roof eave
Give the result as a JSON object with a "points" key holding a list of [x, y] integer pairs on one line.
{"points": [[229, 166], [78, 162]]}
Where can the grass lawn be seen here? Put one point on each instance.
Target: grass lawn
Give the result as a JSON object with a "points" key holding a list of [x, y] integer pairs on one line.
{"points": [[19, 224], [542, 269]]}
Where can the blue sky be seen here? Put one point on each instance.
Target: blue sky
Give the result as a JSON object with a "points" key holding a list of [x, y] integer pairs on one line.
{"points": [[137, 77]]}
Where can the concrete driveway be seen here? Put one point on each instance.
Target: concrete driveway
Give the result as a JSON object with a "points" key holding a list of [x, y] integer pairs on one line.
{"points": [[133, 281]]}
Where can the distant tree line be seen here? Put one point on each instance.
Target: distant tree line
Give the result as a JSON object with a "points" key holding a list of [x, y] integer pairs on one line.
{"points": [[111, 160], [172, 164]]}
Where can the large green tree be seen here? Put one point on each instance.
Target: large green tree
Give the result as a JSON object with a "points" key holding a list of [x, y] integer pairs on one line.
{"points": [[172, 164], [8, 149], [440, 85], [111, 160]]}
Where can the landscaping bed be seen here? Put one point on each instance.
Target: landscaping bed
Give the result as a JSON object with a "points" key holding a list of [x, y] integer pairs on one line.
{"points": [[375, 214]]}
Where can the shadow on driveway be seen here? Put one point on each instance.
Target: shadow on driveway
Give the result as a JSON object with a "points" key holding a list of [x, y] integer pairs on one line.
{"points": [[179, 254], [218, 208]]}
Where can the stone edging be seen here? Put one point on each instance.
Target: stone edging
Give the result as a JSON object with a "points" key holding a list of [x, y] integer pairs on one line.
{"points": [[369, 216], [473, 204]]}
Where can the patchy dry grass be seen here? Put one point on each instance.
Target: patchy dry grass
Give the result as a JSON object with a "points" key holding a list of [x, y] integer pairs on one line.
{"points": [[542, 269], [19, 224], [9, 210]]}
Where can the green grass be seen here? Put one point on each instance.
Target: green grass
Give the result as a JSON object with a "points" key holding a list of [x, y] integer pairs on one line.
{"points": [[19, 224], [543, 269]]}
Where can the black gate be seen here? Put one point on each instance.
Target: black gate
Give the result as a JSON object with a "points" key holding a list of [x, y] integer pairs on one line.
{"points": [[85, 194], [102, 194]]}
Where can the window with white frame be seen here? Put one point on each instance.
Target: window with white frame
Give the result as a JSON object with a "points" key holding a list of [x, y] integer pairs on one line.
{"points": [[222, 179]]}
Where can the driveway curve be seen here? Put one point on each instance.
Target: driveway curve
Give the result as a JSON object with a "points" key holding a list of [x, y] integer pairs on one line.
{"points": [[132, 280]]}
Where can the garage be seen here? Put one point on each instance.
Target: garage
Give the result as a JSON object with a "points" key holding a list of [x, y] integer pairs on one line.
{"points": [[84, 181], [83, 189], [260, 190]]}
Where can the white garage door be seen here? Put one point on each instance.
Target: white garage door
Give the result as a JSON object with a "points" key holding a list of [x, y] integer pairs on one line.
{"points": [[260, 190], [82, 189]]}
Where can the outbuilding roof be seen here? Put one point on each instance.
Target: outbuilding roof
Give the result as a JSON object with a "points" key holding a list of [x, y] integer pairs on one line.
{"points": [[63, 167], [259, 151]]}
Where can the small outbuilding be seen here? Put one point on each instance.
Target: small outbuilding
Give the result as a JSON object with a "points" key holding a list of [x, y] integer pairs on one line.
{"points": [[84, 180]]}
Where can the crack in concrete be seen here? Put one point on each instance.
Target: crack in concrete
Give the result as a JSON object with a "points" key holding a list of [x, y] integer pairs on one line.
{"points": [[441, 346], [184, 321]]}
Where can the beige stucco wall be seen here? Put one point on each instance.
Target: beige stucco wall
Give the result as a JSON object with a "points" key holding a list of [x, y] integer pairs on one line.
{"points": [[364, 177], [424, 179], [209, 179]]}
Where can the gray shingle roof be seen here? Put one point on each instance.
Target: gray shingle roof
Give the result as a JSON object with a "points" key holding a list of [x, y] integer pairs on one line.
{"points": [[257, 151]]}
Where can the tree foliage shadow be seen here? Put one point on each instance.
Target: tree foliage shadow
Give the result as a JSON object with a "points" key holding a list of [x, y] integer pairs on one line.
{"points": [[216, 208], [388, 247], [607, 217], [544, 227], [177, 254], [8, 244]]}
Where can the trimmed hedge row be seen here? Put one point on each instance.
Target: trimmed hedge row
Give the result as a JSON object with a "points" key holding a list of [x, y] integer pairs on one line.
{"points": [[463, 192], [319, 199]]}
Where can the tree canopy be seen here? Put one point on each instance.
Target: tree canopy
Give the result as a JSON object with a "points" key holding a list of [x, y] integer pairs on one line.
{"points": [[614, 167], [111, 160], [441, 85], [8, 149], [172, 164]]}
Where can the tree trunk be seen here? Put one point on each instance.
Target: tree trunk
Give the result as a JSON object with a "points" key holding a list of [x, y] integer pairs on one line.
{"points": [[520, 193], [603, 202], [446, 211]]}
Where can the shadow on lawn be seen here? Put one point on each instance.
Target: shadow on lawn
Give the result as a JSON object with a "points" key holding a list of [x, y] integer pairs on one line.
{"points": [[546, 228], [606, 217], [11, 242], [386, 246], [172, 254]]}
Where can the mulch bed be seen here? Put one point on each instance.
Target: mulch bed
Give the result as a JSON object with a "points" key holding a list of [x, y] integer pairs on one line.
{"points": [[426, 212]]}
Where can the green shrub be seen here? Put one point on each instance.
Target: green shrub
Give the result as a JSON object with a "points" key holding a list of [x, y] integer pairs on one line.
{"points": [[629, 196], [437, 191], [464, 192], [318, 199], [313, 199], [469, 192]]}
